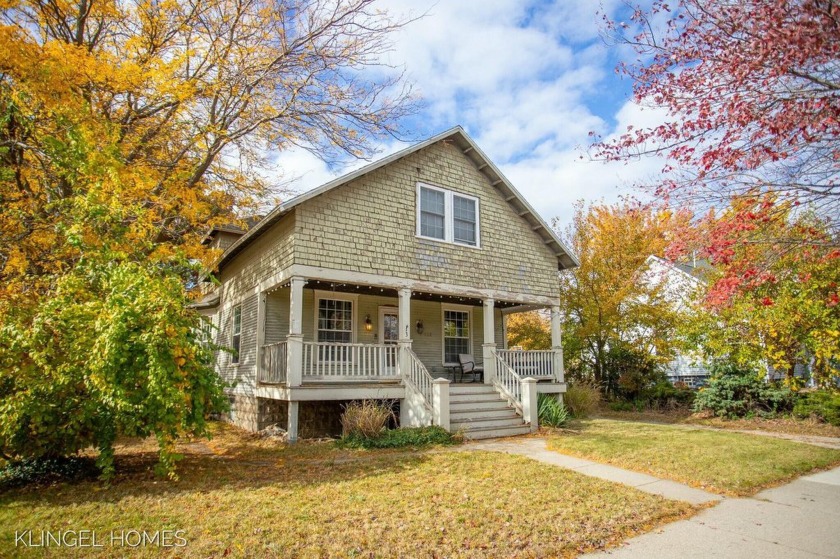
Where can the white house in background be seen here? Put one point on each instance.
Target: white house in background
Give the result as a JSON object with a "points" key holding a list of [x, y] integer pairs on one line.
{"points": [[681, 282], [373, 285]]}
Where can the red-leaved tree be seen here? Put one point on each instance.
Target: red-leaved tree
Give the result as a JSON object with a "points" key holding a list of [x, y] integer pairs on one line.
{"points": [[751, 89]]}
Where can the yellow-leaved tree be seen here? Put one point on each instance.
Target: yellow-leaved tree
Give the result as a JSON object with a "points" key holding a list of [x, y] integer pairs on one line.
{"points": [[619, 319], [126, 130]]}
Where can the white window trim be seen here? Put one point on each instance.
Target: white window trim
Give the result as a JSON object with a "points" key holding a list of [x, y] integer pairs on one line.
{"points": [[354, 311], [449, 216], [463, 308], [237, 356]]}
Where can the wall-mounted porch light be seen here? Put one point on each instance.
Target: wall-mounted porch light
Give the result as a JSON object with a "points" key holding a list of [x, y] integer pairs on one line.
{"points": [[368, 324], [419, 326]]}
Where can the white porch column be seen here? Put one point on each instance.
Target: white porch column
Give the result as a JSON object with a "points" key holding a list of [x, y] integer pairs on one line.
{"points": [[292, 424], [440, 402], [404, 325], [530, 407], [556, 344], [489, 341], [260, 334], [294, 354]]}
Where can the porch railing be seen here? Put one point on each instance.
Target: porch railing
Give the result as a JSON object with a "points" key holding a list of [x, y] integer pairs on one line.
{"points": [[508, 382], [331, 361], [273, 367], [419, 378], [538, 364]]}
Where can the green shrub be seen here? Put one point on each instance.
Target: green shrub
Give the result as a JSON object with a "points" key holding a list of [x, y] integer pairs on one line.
{"points": [[114, 350], [581, 399], [823, 405], [365, 419], [734, 392], [396, 438], [551, 411], [47, 470]]}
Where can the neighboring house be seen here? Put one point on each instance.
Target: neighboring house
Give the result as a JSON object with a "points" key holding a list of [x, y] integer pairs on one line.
{"points": [[371, 286], [680, 282]]}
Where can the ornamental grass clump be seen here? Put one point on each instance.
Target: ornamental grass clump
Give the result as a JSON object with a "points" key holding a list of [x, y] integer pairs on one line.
{"points": [[366, 419], [582, 399]]}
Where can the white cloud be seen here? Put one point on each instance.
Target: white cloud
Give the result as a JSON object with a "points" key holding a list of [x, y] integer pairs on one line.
{"points": [[527, 81]]}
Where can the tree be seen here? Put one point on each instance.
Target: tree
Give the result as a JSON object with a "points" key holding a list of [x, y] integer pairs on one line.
{"points": [[167, 111], [612, 309], [126, 129], [751, 93], [115, 351], [531, 330], [783, 314]]}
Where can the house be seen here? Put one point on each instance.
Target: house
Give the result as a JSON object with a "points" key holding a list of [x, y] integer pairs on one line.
{"points": [[681, 282], [371, 287]]}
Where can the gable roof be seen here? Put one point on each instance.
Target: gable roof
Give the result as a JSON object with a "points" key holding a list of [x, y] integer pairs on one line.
{"points": [[457, 135]]}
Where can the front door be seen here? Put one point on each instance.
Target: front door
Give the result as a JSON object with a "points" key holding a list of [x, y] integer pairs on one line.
{"points": [[389, 334]]}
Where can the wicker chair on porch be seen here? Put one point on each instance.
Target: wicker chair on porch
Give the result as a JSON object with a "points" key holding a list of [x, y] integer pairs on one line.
{"points": [[468, 366]]}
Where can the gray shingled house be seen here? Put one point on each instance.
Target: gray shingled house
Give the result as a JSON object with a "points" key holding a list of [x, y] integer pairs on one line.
{"points": [[377, 285]]}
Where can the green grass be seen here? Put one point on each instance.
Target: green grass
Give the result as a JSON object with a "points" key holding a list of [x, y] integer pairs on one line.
{"points": [[241, 496], [723, 462]]}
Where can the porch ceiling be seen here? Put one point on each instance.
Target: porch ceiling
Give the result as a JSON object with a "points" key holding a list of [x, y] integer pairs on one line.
{"points": [[391, 292]]}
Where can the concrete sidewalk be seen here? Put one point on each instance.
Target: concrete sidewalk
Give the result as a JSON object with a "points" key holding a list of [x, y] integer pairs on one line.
{"points": [[800, 519], [536, 448]]}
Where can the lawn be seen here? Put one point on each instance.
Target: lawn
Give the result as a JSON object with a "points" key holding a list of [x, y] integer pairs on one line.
{"points": [[241, 496], [723, 462], [785, 424]]}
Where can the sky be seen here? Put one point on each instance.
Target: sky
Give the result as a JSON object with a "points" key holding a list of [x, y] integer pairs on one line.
{"points": [[528, 81]]}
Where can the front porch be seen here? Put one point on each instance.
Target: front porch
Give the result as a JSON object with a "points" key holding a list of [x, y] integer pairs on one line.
{"points": [[348, 341]]}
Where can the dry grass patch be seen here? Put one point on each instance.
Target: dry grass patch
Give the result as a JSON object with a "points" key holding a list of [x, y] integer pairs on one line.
{"points": [[244, 497], [724, 462]]}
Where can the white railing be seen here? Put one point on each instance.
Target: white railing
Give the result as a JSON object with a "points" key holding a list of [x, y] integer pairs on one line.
{"points": [[418, 377], [508, 382], [538, 364], [273, 366], [328, 361]]}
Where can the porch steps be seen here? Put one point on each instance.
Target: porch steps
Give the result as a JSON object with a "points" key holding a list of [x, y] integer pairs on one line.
{"points": [[480, 413]]}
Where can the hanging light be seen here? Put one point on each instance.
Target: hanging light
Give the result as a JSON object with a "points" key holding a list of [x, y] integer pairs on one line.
{"points": [[368, 324], [419, 326]]}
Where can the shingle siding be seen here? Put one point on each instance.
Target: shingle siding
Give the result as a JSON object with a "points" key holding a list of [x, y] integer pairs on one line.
{"points": [[369, 225]]}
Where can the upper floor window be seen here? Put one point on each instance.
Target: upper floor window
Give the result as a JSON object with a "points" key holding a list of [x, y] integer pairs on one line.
{"points": [[447, 216], [236, 333]]}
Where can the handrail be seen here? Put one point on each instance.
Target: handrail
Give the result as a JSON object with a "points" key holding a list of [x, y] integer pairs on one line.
{"points": [[273, 367], [417, 377], [508, 382], [538, 363]]}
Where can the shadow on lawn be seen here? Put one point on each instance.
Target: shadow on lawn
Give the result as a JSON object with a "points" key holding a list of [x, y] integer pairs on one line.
{"points": [[232, 460]]}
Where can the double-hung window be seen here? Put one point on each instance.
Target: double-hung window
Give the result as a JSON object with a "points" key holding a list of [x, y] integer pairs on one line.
{"points": [[335, 326], [236, 333], [447, 216], [456, 334]]}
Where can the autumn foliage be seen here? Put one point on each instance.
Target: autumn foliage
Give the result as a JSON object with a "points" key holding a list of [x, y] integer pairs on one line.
{"points": [[127, 129], [617, 321]]}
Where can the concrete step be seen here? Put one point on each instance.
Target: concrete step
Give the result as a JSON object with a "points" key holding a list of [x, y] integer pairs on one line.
{"points": [[494, 404], [484, 422], [496, 432], [468, 414]]}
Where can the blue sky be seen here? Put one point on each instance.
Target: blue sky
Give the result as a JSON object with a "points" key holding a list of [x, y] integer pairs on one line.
{"points": [[528, 80]]}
